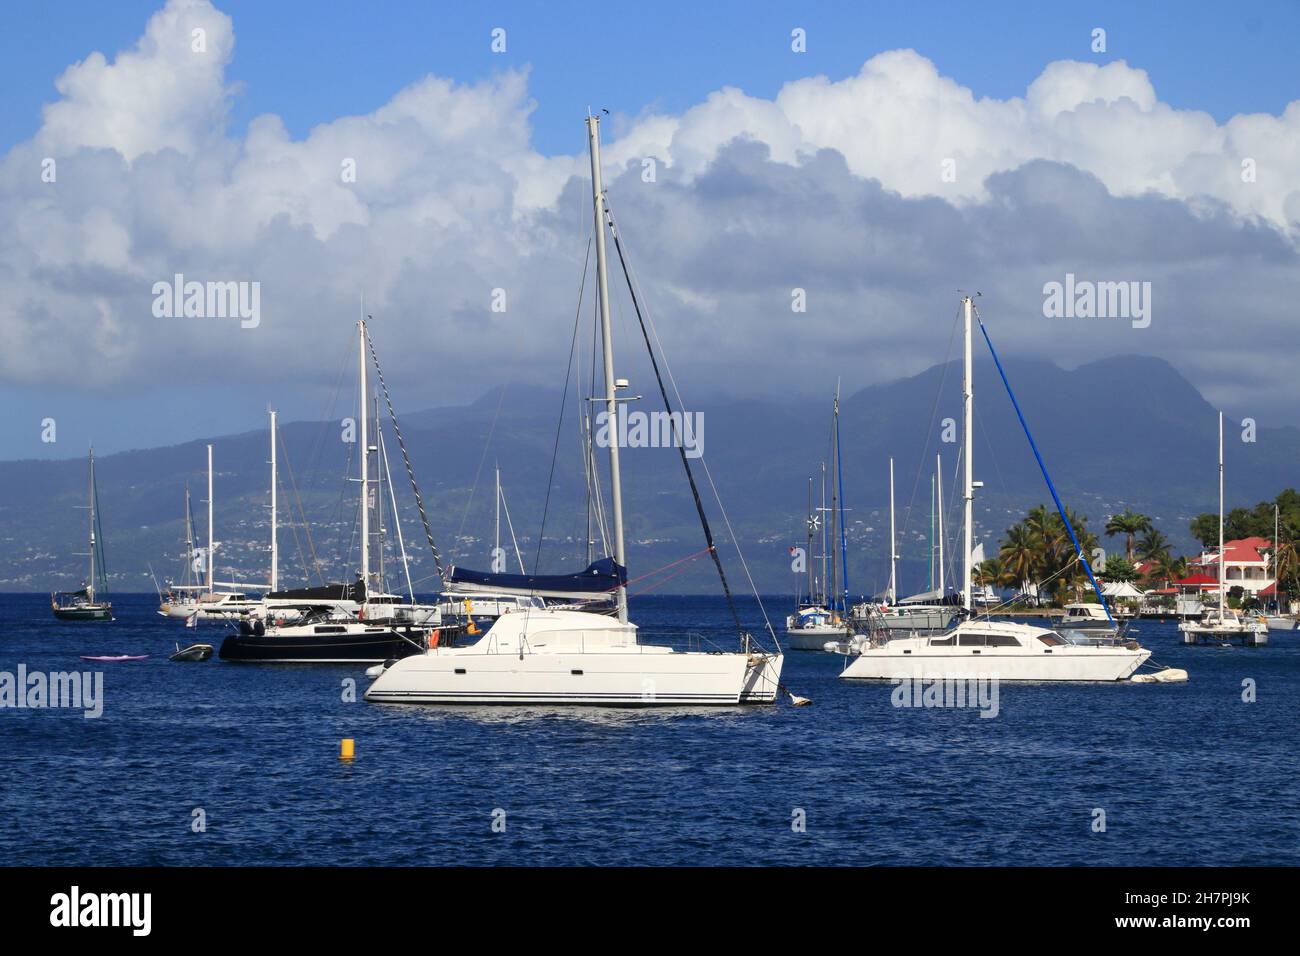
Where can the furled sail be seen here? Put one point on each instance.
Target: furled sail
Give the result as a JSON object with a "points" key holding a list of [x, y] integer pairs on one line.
{"points": [[599, 578]]}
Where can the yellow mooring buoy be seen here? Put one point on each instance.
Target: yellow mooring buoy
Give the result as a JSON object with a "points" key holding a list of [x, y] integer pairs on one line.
{"points": [[347, 748]]}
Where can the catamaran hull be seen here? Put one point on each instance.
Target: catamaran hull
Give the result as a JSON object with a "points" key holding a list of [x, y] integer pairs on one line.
{"points": [[1209, 634], [585, 679], [1092, 664], [316, 649]]}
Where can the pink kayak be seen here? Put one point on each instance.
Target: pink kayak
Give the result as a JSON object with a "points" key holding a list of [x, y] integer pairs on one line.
{"points": [[115, 657]]}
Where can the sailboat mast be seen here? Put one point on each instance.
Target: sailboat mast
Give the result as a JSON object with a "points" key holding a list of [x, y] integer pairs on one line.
{"points": [[930, 582], [968, 484], [607, 347], [365, 462], [90, 580], [1221, 555], [189, 539], [810, 540], [825, 601], [497, 549], [893, 580], [275, 544], [938, 492], [839, 479], [210, 542]]}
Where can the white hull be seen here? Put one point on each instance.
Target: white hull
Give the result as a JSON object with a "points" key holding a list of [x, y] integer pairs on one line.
{"points": [[1210, 631], [575, 658], [1031, 658], [1276, 623], [1084, 664], [812, 638]]}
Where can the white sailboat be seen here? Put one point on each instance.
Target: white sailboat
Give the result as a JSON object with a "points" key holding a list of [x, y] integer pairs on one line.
{"points": [[824, 616], [1221, 624], [549, 656], [209, 599], [984, 648], [1276, 618], [917, 615]]}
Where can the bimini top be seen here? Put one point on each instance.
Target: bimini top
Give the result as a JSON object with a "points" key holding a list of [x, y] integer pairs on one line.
{"points": [[600, 578]]}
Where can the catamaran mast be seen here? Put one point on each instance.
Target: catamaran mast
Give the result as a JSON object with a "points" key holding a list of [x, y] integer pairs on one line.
{"points": [[211, 566], [275, 544], [968, 484], [938, 489], [893, 580], [611, 384], [90, 581], [1221, 556], [365, 464]]}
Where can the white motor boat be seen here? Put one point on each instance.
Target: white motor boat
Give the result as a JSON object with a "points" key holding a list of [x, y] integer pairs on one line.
{"points": [[550, 657], [1085, 617], [995, 649], [1280, 622]]}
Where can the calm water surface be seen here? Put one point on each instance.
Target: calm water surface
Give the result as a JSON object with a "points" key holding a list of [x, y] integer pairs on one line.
{"points": [[1186, 774]]}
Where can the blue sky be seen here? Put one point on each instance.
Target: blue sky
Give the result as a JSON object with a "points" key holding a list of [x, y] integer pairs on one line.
{"points": [[473, 210], [310, 63]]}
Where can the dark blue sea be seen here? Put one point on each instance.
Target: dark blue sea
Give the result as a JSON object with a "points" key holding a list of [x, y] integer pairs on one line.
{"points": [[1185, 774]]}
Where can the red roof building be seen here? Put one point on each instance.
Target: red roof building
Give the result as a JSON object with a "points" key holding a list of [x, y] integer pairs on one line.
{"points": [[1247, 564]]}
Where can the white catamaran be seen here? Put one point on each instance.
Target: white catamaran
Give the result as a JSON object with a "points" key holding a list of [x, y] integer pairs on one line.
{"points": [[1221, 624], [549, 656], [984, 648]]}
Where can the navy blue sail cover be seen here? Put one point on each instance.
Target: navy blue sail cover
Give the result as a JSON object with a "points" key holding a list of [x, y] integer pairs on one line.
{"points": [[600, 577]]}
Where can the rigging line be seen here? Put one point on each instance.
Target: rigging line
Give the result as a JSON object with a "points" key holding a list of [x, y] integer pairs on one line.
{"points": [[306, 526], [397, 518], [482, 458], [934, 414], [559, 425], [681, 445], [1078, 549], [654, 332], [511, 525], [406, 458], [664, 580]]}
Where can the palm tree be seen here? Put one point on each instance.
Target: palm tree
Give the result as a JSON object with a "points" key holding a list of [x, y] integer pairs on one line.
{"points": [[1153, 545], [1018, 554], [1130, 524], [1167, 568]]}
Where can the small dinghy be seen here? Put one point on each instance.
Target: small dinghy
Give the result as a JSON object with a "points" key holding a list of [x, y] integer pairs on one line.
{"points": [[112, 658], [1166, 675], [195, 652]]}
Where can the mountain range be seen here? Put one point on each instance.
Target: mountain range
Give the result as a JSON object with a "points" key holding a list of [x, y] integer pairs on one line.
{"points": [[1123, 432]]}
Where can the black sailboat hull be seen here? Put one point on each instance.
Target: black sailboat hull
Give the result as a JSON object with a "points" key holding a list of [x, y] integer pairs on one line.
{"points": [[319, 648], [103, 612]]}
